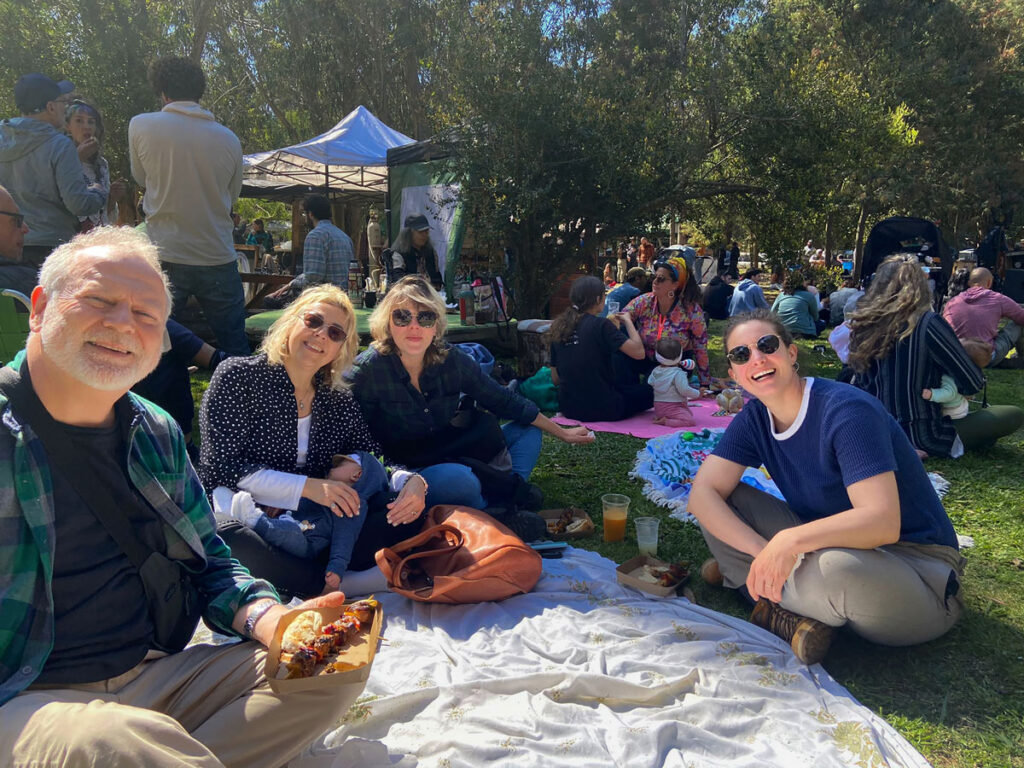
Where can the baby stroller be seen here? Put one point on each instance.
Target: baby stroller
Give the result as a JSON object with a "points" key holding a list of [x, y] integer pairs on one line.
{"points": [[904, 234]]}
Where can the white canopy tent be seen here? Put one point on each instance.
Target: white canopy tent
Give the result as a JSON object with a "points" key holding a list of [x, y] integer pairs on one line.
{"points": [[349, 160]]}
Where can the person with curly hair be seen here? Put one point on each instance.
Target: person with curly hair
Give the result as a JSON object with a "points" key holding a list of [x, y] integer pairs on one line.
{"points": [[899, 347], [191, 168]]}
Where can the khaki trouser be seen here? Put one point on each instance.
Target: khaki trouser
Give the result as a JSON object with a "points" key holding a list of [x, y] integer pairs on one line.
{"points": [[892, 595], [206, 706]]}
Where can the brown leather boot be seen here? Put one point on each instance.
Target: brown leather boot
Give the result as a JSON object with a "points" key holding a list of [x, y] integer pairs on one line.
{"points": [[711, 573], [809, 638]]}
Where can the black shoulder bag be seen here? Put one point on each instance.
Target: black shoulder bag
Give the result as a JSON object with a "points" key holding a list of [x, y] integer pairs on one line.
{"points": [[174, 605]]}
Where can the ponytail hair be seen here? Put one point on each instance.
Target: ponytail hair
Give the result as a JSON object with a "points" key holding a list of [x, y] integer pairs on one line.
{"points": [[584, 294]]}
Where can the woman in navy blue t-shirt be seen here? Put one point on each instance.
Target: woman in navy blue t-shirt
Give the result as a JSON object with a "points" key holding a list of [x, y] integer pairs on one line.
{"points": [[862, 540]]}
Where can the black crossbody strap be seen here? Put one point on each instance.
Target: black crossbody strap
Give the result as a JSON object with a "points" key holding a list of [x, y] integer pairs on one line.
{"points": [[96, 496]]}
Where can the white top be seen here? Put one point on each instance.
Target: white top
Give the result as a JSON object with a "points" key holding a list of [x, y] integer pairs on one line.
{"points": [[191, 167], [671, 385], [273, 488]]}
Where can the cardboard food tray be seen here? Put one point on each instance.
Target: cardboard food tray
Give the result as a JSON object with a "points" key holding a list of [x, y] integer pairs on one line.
{"points": [[624, 575], [577, 514], [360, 651]]}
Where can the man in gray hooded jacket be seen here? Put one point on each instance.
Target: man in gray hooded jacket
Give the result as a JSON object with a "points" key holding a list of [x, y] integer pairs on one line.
{"points": [[40, 167]]}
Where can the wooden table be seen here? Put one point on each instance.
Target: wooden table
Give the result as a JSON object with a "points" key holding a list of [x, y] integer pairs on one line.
{"points": [[266, 284]]}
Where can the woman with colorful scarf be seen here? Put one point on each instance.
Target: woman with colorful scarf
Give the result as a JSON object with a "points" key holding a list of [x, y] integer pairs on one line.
{"points": [[672, 308]]}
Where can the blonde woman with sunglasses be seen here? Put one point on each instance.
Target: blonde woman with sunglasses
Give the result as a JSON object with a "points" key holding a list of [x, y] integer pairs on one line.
{"points": [[850, 546], [409, 385], [271, 425]]}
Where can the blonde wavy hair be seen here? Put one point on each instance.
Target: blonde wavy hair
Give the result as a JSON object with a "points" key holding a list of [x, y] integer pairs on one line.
{"points": [[275, 342], [889, 311], [416, 291]]}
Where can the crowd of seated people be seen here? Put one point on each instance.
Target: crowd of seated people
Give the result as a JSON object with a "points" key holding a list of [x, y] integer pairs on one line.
{"points": [[314, 457]]}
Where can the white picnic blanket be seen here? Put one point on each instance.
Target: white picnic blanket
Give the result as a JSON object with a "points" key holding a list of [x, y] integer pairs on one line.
{"points": [[585, 672]]}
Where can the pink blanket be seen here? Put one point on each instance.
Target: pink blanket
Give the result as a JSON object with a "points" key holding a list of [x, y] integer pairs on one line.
{"points": [[641, 426]]}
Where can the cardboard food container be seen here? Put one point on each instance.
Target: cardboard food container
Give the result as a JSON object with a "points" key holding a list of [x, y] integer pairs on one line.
{"points": [[577, 514], [625, 575], [360, 652]]}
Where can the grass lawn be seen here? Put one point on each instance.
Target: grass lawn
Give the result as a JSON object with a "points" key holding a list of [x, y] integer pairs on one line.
{"points": [[959, 699]]}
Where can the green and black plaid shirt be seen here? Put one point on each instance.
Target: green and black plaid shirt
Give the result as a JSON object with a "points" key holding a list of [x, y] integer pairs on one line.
{"points": [[160, 470]]}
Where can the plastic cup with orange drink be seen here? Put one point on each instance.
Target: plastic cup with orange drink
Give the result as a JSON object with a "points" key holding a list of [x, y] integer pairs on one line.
{"points": [[615, 508]]}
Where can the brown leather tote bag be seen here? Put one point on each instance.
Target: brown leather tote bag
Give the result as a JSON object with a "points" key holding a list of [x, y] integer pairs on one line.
{"points": [[461, 556]]}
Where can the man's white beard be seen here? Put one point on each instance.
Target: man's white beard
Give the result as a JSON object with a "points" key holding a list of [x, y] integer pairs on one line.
{"points": [[66, 349]]}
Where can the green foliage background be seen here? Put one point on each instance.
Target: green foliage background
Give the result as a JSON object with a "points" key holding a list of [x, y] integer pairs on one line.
{"points": [[581, 120]]}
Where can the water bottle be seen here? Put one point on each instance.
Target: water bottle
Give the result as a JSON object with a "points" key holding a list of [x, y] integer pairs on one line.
{"points": [[467, 305]]}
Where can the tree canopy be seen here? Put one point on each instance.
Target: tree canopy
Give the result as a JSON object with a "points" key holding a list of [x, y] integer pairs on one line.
{"points": [[576, 119]]}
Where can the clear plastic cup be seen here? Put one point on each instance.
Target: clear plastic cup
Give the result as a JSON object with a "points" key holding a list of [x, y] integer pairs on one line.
{"points": [[614, 508], [647, 535]]}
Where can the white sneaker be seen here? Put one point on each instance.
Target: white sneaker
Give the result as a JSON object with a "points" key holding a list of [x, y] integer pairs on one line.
{"points": [[244, 509]]}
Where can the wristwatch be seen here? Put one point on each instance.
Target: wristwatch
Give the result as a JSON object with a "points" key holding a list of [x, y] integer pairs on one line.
{"points": [[255, 615]]}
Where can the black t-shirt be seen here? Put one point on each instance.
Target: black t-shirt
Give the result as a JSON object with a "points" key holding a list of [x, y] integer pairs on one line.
{"points": [[716, 300], [584, 363], [102, 626]]}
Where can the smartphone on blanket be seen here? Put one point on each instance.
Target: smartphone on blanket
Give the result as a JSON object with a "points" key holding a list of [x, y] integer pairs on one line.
{"points": [[551, 550]]}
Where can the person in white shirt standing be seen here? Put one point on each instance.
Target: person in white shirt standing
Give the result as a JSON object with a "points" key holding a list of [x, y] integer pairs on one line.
{"points": [[191, 167]]}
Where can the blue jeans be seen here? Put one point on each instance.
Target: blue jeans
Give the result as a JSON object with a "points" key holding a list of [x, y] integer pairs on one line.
{"points": [[456, 483], [523, 446], [328, 529], [218, 290]]}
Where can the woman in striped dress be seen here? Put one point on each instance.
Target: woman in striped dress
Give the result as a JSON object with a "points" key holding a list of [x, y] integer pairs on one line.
{"points": [[899, 348]]}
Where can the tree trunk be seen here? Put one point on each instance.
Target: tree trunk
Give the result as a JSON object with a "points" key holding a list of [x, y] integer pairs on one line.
{"points": [[858, 249], [202, 10], [829, 236]]}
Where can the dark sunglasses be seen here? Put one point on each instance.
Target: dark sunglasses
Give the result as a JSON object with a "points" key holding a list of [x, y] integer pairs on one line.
{"points": [[19, 218], [314, 322], [661, 279], [766, 345], [425, 318]]}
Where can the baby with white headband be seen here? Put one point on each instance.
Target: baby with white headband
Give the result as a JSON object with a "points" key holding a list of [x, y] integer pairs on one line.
{"points": [[671, 386]]}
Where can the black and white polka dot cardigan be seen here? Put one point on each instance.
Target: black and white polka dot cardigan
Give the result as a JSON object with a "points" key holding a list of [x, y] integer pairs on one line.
{"points": [[249, 421]]}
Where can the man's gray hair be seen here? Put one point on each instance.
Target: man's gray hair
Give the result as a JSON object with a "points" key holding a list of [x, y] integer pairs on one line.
{"points": [[64, 268]]}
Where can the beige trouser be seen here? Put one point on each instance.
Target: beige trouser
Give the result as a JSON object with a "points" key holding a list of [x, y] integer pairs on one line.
{"points": [[892, 595], [206, 706]]}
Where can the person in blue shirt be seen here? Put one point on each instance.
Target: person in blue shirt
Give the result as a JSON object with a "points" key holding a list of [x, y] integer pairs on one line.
{"points": [[862, 539], [748, 295], [634, 285]]}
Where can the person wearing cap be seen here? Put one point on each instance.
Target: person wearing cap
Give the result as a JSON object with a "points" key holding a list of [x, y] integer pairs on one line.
{"points": [[671, 308], [191, 168], [13, 273], [41, 169], [413, 253]]}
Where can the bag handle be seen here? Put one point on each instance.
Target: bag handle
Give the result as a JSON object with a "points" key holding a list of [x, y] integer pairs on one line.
{"points": [[399, 563], [97, 496]]}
